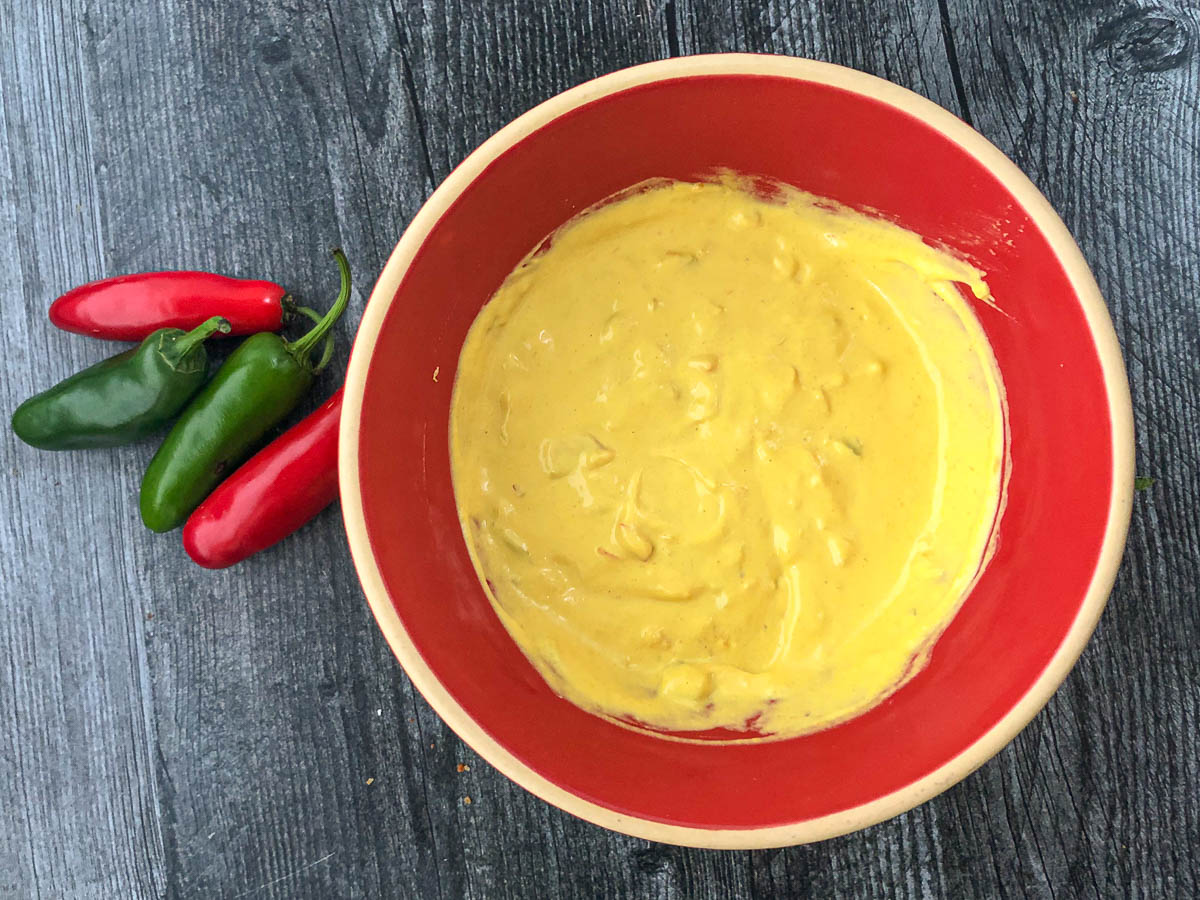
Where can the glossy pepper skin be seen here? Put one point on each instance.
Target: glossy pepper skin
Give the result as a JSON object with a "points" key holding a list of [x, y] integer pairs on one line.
{"points": [[278, 490], [131, 307], [123, 398], [259, 384]]}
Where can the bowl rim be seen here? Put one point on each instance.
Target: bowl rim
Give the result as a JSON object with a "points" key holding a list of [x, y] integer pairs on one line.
{"points": [[1099, 324]]}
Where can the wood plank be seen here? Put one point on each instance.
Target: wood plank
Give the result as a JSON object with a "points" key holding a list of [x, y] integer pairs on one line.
{"points": [[79, 816]]}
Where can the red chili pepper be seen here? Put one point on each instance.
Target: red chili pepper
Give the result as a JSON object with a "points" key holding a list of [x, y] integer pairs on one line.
{"points": [[281, 488], [130, 307]]}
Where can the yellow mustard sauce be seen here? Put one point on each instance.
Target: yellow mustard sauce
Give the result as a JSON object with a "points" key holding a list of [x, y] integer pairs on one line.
{"points": [[728, 462]]}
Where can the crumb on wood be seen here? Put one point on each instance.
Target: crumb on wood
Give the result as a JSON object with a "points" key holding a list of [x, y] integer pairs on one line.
{"points": [[436, 369]]}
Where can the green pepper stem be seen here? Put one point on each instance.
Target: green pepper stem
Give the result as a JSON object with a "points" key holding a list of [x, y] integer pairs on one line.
{"points": [[303, 346], [305, 311], [200, 333], [327, 353]]}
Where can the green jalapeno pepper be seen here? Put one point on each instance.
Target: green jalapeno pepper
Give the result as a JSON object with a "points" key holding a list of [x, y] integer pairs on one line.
{"points": [[259, 384], [123, 398]]}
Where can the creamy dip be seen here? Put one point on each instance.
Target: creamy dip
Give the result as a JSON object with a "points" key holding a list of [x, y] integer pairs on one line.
{"points": [[727, 461]]}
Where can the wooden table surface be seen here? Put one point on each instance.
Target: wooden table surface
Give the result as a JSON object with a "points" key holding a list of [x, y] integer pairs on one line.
{"points": [[167, 731]]}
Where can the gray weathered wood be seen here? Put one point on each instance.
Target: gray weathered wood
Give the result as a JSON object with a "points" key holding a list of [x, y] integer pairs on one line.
{"points": [[171, 732]]}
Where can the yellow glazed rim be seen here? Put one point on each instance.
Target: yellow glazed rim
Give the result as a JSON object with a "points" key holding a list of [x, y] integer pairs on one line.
{"points": [[1099, 323]]}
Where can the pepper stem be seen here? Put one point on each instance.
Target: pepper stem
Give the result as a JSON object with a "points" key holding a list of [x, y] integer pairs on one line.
{"points": [[327, 353], [200, 333], [303, 346]]}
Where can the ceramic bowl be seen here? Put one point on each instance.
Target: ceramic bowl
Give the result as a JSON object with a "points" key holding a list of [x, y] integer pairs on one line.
{"points": [[837, 133]]}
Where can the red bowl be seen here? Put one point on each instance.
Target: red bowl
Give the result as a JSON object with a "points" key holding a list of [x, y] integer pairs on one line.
{"points": [[834, 132]]}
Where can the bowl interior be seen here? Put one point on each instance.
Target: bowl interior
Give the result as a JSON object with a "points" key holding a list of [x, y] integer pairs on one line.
{"points": [[830, 141]]}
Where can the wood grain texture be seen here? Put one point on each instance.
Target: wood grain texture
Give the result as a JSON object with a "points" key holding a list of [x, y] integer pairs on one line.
{"points": [[171, 732]]}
